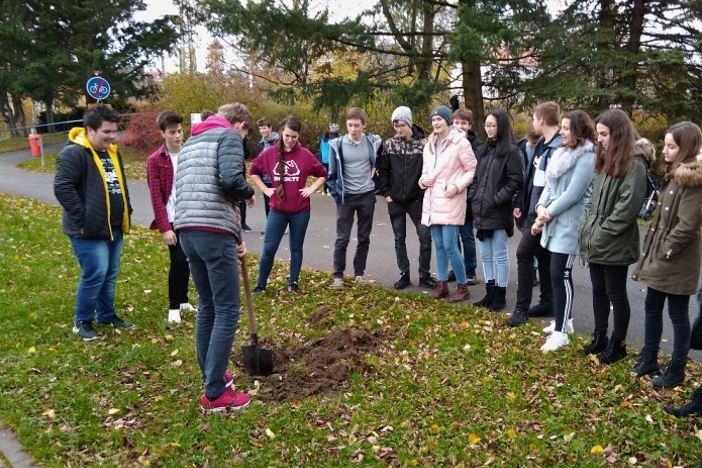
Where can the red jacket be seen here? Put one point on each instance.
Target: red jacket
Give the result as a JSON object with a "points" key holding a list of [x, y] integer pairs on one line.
{"points": [[159, 176], [299, 165]]}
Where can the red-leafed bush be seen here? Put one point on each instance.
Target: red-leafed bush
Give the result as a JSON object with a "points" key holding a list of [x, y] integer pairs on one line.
{"points": [[142, 133]]}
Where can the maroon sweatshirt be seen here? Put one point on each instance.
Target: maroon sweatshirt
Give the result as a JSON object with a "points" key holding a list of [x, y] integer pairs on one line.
{"points": [[299, 165]]}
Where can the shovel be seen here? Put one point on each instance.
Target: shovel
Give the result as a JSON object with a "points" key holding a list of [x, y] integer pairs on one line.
{"points": [[258, 361]]}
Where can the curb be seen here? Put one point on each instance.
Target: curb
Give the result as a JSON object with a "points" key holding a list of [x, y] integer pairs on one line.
{"points": [[12, 455]]}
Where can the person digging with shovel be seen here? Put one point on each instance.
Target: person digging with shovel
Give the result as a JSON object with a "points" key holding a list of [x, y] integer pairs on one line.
{"points": [[210, 181]]}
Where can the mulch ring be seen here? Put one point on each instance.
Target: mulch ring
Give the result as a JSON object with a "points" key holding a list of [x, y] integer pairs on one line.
{"points": [[319, 367]]}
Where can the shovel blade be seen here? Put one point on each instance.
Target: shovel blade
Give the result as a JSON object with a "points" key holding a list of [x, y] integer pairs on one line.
{"points": [[258, 361]]}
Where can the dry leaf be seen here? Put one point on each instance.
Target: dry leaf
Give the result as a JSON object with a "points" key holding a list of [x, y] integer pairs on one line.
{"points": [[597, 449], [473, 438], [113, 411], [51, 414], [270, 433], [32, 350]]}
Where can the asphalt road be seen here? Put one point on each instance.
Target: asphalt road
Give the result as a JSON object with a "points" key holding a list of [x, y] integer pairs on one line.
{"points": [[319, 245]]}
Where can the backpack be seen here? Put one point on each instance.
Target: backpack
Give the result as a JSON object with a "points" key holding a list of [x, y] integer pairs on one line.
{"points": [[653, 191]]}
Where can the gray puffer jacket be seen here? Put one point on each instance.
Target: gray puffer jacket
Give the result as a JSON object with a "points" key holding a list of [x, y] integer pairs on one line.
{"points": [[211, 178]]}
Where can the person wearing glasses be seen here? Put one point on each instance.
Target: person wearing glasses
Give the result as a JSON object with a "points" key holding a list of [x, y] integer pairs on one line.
{"points": [[399, 169], [498, 178]]}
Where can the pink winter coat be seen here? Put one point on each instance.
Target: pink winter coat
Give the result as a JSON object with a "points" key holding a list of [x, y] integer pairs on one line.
{"points": [[454, 165]]}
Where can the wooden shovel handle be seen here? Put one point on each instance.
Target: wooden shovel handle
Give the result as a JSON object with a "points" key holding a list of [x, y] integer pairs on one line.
{"points": [[247, 291]]}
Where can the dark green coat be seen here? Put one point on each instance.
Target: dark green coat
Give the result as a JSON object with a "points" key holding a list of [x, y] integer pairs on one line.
{"points": [[672, 252], [608, 232]]}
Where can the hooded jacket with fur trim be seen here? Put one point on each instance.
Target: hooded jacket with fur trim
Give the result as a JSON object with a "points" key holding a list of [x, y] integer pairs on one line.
{"points": [[80, 186], [672, 253]]}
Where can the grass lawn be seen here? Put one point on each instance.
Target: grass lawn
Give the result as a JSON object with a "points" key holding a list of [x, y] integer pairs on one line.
{"points": [[134, 164], [434, 384], [16, 144]]}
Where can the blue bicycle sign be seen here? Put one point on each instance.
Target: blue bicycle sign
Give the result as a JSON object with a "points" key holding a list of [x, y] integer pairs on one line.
{"points": [[98, 88]]}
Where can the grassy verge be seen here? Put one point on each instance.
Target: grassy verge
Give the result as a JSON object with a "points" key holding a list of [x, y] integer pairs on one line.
{"points": [[134, 164], [447, 386], [16, 144]]}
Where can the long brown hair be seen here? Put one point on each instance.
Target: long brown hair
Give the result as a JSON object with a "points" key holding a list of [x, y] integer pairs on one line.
{"points": [[292, 123], [581, 126], [618, 158], [688, 137]]}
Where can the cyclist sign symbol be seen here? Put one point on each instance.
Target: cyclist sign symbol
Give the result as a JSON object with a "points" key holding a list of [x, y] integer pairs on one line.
{"points": [[98, 88]]}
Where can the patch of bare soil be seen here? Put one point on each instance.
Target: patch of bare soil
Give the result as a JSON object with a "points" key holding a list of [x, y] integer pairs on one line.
{"points": [[322, 366]]}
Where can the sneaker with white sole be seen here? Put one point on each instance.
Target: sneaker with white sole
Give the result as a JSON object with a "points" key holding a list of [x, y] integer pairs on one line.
{"points": [[360, 279], [173, 315], [552, 327], [228, 400], [116, 322], [555, 341], [187, 307], [85, 330], [338, 283]]}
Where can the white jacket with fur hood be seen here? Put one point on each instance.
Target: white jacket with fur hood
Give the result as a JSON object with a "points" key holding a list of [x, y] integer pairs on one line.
{"points": [[455, 165]]}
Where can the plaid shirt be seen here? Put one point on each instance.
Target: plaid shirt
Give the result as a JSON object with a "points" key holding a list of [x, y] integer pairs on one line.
{"points": [[159, 176]]}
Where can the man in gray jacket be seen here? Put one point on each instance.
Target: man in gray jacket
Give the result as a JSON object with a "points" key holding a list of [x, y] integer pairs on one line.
{"points": [[210, 182]]}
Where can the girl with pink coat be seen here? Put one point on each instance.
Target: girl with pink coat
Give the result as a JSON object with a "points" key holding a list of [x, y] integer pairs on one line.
{"points": [[448, 170]]}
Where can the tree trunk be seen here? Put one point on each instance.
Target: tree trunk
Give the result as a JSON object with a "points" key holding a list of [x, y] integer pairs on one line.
{"points": [[473, 94], [629, 73], [425, 63], [50, 116]]}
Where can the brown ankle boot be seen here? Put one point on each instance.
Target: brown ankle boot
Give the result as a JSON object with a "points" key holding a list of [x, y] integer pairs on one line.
{"points": [[462, 293], [441, 290]]}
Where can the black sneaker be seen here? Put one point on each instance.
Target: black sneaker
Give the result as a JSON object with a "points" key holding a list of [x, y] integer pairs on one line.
{"points": [[403, 282], [116, 322], [471, 278], [427, 282], [451, 276], [294, 288], [519, 317], [85, 330], [258, 290], [246, 228], [541, 310]]}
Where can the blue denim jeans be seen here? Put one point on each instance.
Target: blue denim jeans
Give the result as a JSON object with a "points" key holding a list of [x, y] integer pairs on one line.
{"points": [[470, 258], [275, 229], [679, 315], [446, 244], [494, 254], [214, 266], [99, 263]]}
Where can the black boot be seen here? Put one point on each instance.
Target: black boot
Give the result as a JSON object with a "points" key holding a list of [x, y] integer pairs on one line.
{"points": [[598, 343], [499, 301], [489, 296], [673, 376], [646, 364], [615, 351], [693, 407], [403, 282]]}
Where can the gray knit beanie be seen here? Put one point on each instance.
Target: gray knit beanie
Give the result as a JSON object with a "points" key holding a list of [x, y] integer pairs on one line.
{"points": [[443, 112], [402, 113]]}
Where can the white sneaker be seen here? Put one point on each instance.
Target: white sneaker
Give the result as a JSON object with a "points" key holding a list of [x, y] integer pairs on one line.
{"points": [[338, 283], [552, 327], [360, 280], [555, 341], [174, 316], [187, 307]]}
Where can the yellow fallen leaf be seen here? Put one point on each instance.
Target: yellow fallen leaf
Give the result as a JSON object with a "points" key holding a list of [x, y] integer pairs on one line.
{"points": [[33, 315], [511, 433], [569, 437], [626, 404], [175, 351], [143, 461], [511, 395], [158, 398], [15, 258], [473, 438], [455, 425], [270, 433], [175, 444], [435, 428], [32, 350], [596, 449], [51, 414], [633, 460], [113, 411], [297, 404]]}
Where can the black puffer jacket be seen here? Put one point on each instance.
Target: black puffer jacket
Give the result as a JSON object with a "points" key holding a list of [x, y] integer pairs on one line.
{"points": [[79, 186], [497, 180], [400, 166]]}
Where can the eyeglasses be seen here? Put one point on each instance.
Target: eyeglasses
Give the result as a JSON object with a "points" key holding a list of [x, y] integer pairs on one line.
{"points": [[490, 126], [400, 125]]}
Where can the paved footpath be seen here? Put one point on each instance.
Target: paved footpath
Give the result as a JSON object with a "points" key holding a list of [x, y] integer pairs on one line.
{"points": [[11, 453], [319, 245]]}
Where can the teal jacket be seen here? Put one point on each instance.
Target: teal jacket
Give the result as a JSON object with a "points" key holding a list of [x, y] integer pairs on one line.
{"points": [[608, 232], [568, 183]]}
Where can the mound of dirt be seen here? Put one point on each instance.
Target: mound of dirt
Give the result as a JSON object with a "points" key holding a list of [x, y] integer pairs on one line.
{"points": [[320, 367]]}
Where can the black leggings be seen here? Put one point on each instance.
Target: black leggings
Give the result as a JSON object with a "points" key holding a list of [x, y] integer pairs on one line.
{"points": [[609, 287], [562, 284]]}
